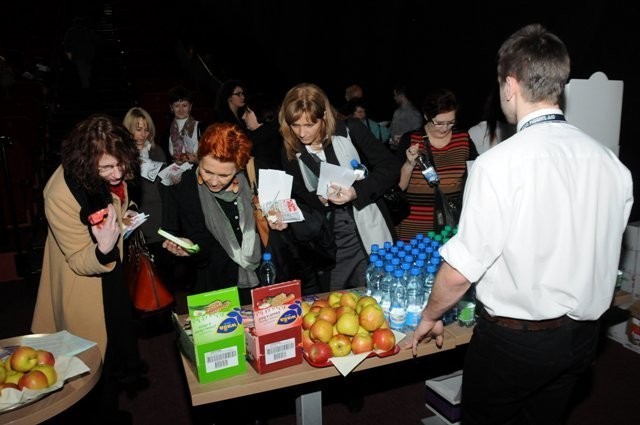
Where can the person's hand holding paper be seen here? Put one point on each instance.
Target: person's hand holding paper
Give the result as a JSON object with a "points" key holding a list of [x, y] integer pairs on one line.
{"points": [[274, 193], [333, 175]]}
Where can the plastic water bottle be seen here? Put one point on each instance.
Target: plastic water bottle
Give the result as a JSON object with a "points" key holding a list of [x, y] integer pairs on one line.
{"points": [[360, 170], [467, 308], [415, 300], [385, 288], [373, 284], [429, 277], [370, 267], [398, 307], [428, 170], [267, 270]]}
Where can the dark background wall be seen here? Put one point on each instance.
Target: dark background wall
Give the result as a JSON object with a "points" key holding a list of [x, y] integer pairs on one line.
{"points": [[274, 45]]}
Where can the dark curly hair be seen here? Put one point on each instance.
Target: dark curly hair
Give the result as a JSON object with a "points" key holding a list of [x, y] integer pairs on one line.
{"points": [[90, 139]]}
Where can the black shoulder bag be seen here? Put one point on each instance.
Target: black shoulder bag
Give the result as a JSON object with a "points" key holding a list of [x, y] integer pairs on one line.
{"points": [[448, 206]]}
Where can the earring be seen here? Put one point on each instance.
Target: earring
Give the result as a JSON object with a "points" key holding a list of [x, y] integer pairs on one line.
{"points": [[235, 185], [200, 180]]}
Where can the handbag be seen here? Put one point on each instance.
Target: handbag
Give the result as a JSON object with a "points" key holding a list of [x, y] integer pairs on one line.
{"points": [[262, 227], [448, 208], [147, 290], [397, 203]]}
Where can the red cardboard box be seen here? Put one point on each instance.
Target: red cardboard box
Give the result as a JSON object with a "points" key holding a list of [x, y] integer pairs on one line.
{"points": [[275, 339], [274, 351]]}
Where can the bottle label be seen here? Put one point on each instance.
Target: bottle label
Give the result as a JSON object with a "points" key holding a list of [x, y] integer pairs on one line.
{"points": [[430, 174]]}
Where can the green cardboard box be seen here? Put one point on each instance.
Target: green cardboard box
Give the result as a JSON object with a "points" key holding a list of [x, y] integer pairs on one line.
{"points": [[217, 335]]}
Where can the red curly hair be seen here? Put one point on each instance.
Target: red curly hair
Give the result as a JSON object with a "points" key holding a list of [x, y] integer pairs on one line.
{"points": [[227, 143]]}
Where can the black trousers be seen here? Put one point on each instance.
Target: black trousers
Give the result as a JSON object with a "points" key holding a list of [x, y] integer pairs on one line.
{"points": [[525, 377]]}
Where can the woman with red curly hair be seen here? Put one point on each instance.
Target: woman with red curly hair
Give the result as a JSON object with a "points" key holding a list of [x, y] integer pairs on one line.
{"points": [[213, 208]]}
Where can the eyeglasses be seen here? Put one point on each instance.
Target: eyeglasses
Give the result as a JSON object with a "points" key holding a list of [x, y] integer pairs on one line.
{"points": [[238, 93], [443, 124], [108, 169]]}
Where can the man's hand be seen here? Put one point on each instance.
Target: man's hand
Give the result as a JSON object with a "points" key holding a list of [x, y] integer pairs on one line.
{"points": [[428, 330]]}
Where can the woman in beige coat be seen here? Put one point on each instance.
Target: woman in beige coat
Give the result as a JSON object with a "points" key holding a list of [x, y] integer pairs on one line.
{"points": [[82, 286]]}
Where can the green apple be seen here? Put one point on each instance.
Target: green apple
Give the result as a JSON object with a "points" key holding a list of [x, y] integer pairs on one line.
{"points": [[340, 345], [348, 324]]}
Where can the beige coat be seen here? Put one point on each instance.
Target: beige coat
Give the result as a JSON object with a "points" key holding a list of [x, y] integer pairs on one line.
{"points": [[70, 292]]}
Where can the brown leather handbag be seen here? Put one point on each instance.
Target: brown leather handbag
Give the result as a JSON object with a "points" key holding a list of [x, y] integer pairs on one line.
{"points": [[147, 290], [262, 227]]}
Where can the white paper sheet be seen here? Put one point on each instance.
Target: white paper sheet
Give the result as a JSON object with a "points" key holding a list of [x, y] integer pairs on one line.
{"points": [[334, 175]]}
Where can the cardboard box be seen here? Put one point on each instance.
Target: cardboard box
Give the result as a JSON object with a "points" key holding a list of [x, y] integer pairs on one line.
{"points": [[274, 351], [275, 339], [213, 336], [443, 396]]}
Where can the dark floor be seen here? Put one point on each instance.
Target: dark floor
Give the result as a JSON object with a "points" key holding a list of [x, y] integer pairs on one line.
{"points": [[391, 395]]}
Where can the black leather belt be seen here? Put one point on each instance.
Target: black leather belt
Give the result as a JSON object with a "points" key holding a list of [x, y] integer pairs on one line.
{"points": [[524, 325]]}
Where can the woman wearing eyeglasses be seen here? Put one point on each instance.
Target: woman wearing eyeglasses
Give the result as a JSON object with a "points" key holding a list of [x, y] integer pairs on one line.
{"points": [[82, 286], [447, 148], [230, 103]]}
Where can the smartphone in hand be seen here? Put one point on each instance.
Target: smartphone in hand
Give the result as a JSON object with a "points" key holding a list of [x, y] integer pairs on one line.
{"points": [[191, 249]]}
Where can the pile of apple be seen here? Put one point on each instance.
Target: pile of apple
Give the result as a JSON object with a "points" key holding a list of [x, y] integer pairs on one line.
{"points": [[29, 368], [344, 323]]}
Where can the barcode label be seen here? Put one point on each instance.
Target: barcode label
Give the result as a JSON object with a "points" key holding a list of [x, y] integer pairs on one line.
{"points": [[279, 351], [221, 359]]}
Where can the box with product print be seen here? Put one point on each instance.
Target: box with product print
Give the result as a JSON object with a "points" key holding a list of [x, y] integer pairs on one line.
{"points": [[275, 339], [213, 339]]}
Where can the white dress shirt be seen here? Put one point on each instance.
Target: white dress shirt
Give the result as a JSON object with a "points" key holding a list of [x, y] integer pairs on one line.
{"points": [[542, 223]]}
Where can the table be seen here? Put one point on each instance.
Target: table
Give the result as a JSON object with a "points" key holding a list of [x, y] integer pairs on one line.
{"points": [[56, 402], [308, 406]]}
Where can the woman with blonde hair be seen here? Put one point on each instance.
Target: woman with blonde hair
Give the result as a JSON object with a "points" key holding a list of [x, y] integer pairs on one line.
{"points": [[354, 217]]}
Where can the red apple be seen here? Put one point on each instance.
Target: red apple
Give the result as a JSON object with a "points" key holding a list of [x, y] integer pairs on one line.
{"points": [[34, 380], [348, 324], [383, 339], [320, 352], [307, 342], [321, 302], [24, 358], [340, 345], [321, 330], [49, 371], [46, 357], [361, 343], [371, 317], [9, 385], [328, 314]]}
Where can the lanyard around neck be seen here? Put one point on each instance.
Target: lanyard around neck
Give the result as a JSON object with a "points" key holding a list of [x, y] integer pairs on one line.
{"points": [[544, 118]]}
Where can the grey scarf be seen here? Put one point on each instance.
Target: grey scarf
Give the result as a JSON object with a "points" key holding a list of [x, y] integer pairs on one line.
{"points": [[247, 256]]}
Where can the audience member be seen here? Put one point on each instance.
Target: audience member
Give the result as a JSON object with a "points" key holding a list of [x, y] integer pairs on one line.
{"points": [[80, 43], [405, 118], [230, 102], [447, 149], [540, 239], [351, 93], [355, 217], [184, 130], [82, 287], [261, 119], [213, 208], [493, 128], [148, 192], [357, 108]]}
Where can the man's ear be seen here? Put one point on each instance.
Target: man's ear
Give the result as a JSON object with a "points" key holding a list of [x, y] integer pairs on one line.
{"points": [[511, 87]]}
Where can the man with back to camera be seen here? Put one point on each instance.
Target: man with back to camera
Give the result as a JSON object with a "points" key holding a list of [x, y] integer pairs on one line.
{"points": [[540, 236]]}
